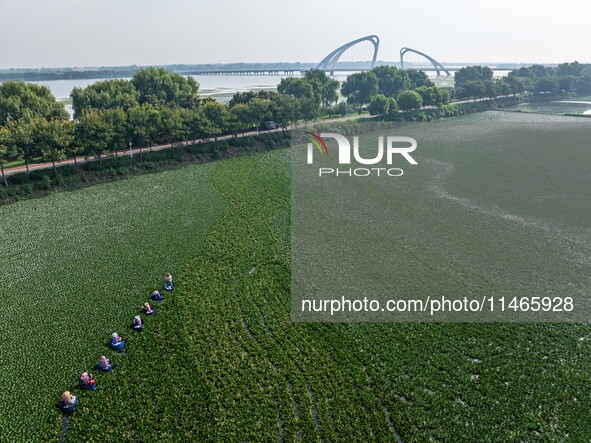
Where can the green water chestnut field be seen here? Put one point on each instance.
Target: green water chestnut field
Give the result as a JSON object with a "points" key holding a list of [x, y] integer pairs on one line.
{"points": [[221, 360], [76, 266]]}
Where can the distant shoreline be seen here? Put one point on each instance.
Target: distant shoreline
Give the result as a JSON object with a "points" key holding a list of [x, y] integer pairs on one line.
{"points": [[47, 74], [91, 73]]}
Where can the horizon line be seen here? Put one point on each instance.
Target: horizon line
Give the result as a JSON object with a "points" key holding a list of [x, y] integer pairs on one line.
{"points": [[451, 63]]}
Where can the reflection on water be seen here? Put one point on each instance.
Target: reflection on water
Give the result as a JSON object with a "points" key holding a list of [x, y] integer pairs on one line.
{"points": [[556, 107]]}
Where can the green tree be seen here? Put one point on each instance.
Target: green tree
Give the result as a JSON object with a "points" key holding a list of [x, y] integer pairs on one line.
{"points": [[296, 87], [491, 89], [158, 87], [409, 101], [529, 74], [392, 107], [20, 100], [472, 73], [218, 115], [574, 69], [515, 84], [174, 127], [284, 110], [143, 126], [472, 89], [522, 72], [106, 94], [247, 96], [359, 87], [391, 81], [418, 78], [94, 133], [546, 85], [584, 85], [241, 118], [444, 96], [117, 120], [265, 94], [22, 138], [7, 150], [429, 94], [200, 127], [378, 105], [502, 88], [241, 98], [540, 71], [567, 83], [324, 89], [74, 148], [308, 110], [339, 109], [260, 110], [52, 138]]}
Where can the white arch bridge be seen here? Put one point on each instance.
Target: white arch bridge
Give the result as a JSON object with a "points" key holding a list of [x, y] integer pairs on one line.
{"points": [[361, 61], [331, 62]]}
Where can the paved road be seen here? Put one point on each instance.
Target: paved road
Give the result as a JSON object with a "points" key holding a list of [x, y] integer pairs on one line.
{"points": [[70, 161], [127, 152], [136, 151]]}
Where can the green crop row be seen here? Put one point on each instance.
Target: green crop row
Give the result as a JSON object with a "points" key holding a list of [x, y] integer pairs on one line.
{"points": [[23, 185], [224, 363], [77, 267]]}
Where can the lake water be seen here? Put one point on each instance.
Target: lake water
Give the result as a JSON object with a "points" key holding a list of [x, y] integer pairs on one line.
{"points": [[219, 87], [210, 85], [556, 107]]}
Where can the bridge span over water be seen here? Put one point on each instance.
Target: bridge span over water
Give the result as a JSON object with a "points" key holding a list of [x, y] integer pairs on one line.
{"points": [[332, 62], [290, 72]]}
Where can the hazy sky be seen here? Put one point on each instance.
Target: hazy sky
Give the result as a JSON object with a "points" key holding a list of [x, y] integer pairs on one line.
{"points": [[36, 33]]}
